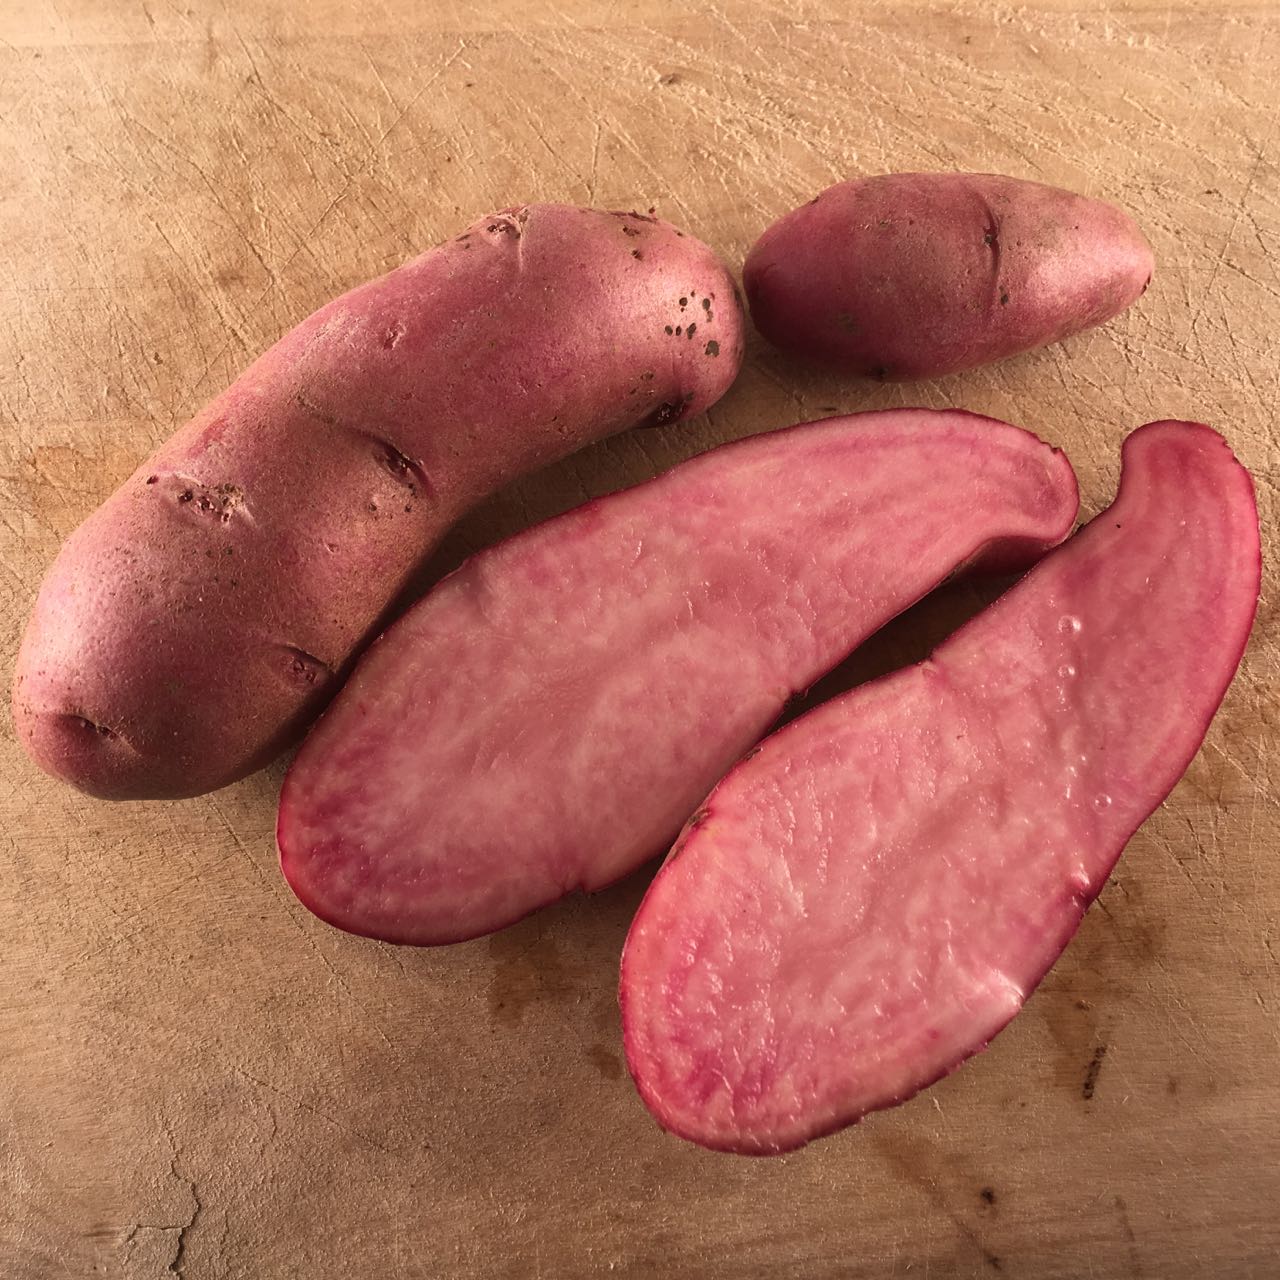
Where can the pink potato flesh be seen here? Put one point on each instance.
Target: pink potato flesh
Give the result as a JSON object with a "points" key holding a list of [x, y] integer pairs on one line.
{"points": [[193, 625], [914, 275], [871, 896], [550, 715]]}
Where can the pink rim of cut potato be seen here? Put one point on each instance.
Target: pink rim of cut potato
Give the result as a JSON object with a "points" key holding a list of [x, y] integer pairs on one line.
{"points": [[870, 897], [548, 717]]}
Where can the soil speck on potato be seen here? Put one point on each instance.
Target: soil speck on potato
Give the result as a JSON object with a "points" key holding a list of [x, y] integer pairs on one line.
{"points": [[662, 415], [630, 231], [100, 729]]}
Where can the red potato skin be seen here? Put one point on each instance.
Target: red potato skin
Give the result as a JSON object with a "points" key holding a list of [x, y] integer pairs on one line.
{"points": [[1222, 660], [197, 621], [916, 275]]}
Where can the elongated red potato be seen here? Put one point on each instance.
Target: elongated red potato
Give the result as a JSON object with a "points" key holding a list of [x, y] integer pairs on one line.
{"points": [[870, 897], [547, 718], [913, 275], [196, 622]]}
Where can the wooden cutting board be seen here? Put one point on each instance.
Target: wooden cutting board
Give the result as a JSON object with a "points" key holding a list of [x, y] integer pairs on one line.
{"points": [[199, 1079]]}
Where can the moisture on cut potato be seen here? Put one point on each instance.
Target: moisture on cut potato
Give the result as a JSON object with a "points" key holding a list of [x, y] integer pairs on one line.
{"points": [[915, 275], [194, 624], [549, 716], [870, 897]]}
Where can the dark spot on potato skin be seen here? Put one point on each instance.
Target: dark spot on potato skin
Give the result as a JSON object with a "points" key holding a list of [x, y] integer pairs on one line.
{"points": [[712, 348], [666, 413], [635, 253], [689, 331], [669, 329], [1004, 299], [305, 667], [400, 466], [987, 1195], [100, 729], [630, 231]]}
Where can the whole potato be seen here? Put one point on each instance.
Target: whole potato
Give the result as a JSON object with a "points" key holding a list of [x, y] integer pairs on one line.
{"points": [[195, 623], [913, 275]]}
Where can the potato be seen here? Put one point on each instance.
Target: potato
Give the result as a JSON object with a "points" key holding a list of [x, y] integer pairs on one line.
{"points": [[913, 275], [871, 897], [193, 625], [549, 716]]}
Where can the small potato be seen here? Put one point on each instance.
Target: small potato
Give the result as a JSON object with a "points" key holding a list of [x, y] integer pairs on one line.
{"points": [[200, 618], [914, 275]]}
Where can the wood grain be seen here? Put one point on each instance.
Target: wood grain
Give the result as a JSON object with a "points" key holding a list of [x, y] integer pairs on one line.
{"points": [[199, 1079]]}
